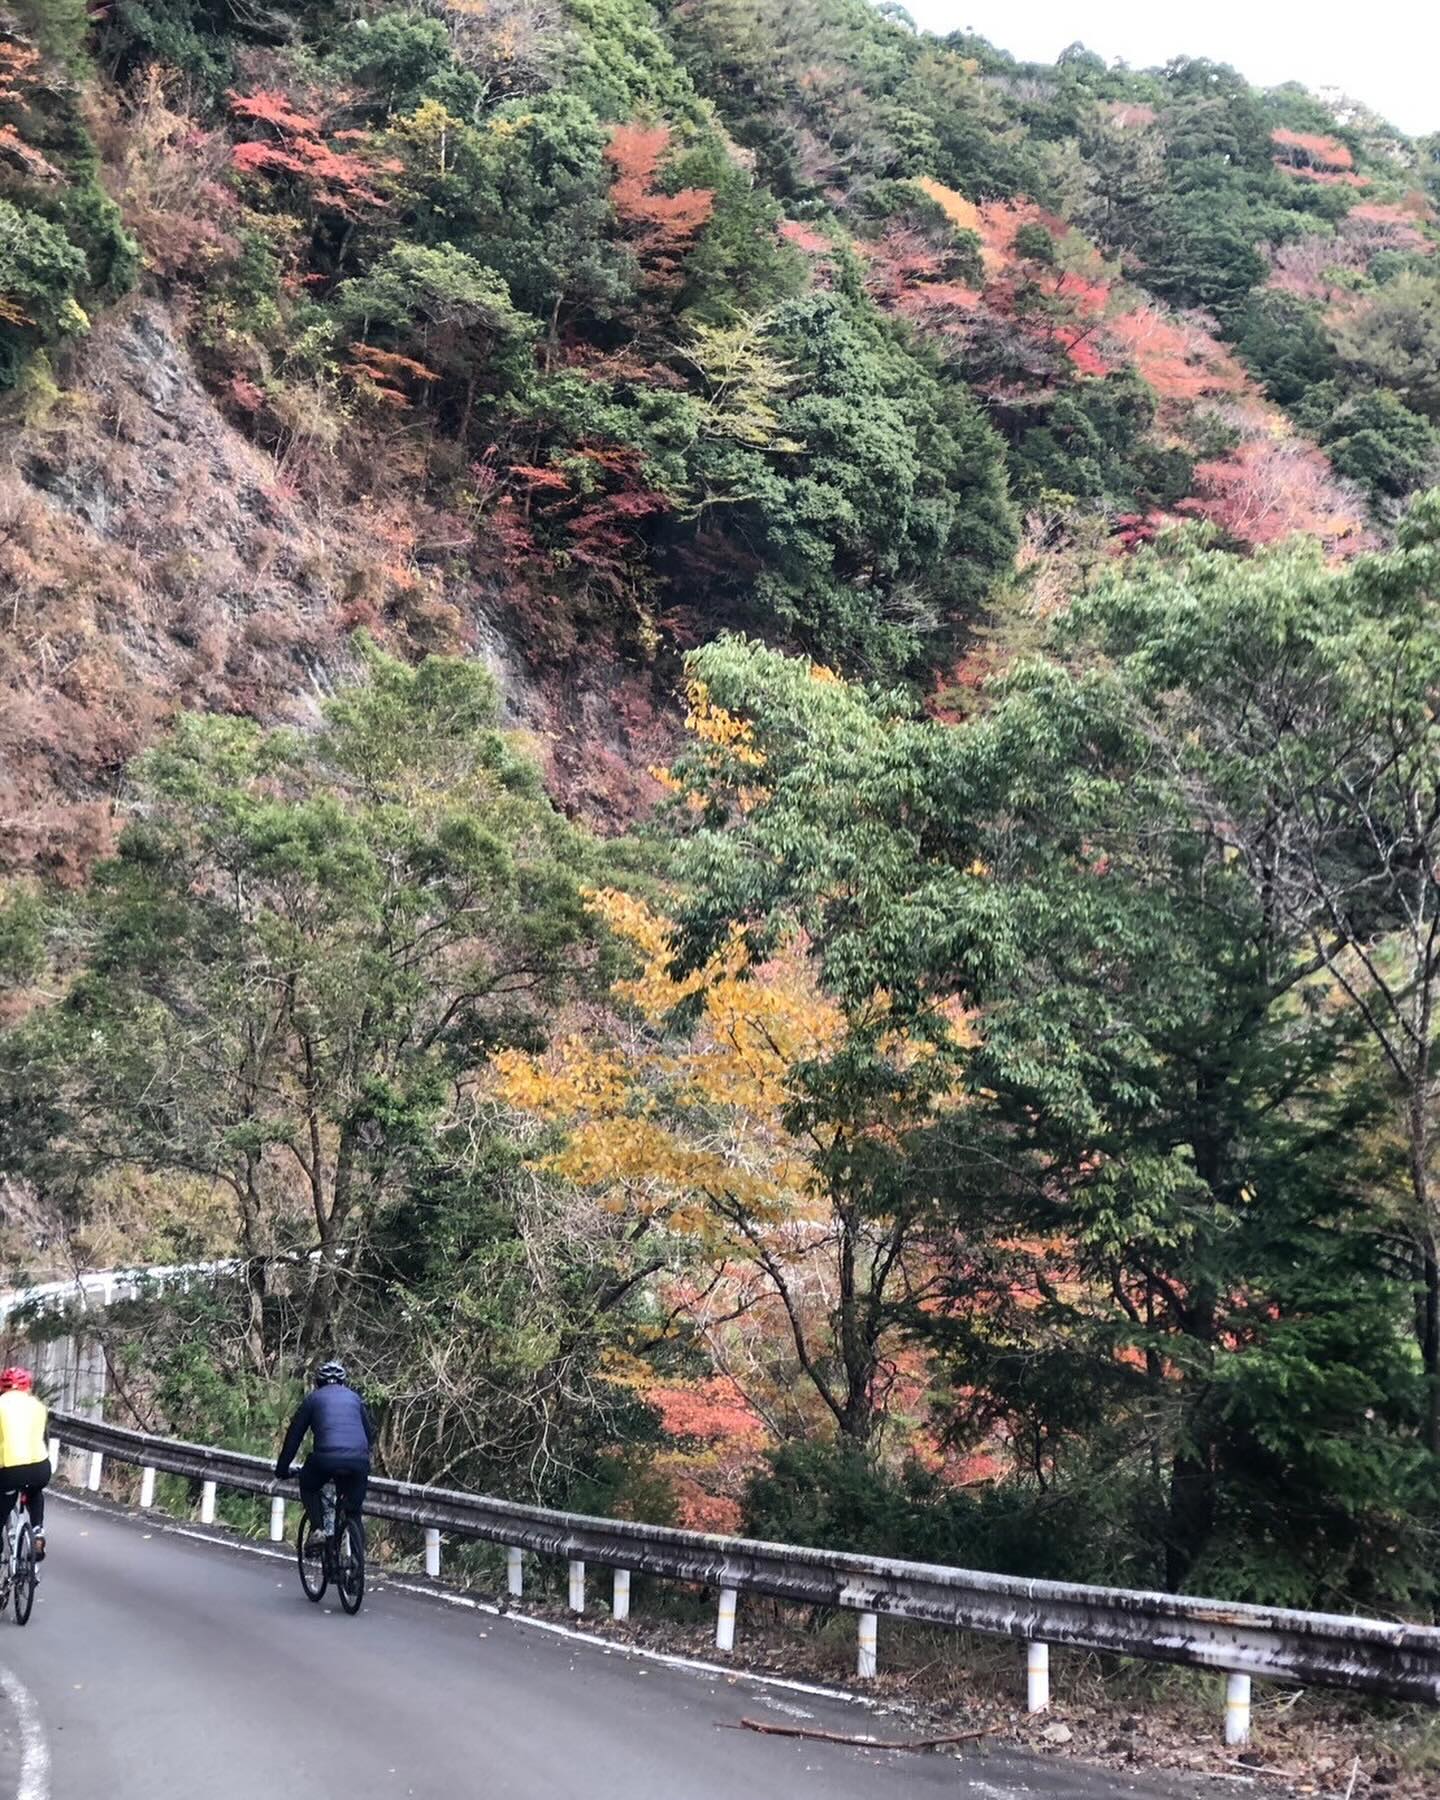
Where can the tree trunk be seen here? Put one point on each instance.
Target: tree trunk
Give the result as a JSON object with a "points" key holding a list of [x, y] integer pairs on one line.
{"points": [[1428, 1311], [323, 1310], [855, 1337], [1193, 1485], [1191, 1513], [1429, 1320]]}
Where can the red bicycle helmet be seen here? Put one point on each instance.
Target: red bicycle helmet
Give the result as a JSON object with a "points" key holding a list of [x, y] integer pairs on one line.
{"points": [[16, 1378]]}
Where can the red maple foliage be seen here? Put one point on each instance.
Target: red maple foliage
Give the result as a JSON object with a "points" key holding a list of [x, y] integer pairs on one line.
{"points": [[1310, 150], [660, 227], [1180, 360], [1272, 488], [19, 82], [590, 522], [384, 374], [1079, 346], [1130, 115], [295, 144], [1134, 530], [908, 273], [1325, 177], [1390, 226], [805, 238]]}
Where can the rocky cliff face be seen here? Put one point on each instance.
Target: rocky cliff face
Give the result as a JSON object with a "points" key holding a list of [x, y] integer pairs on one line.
{"points": [[152, 558]]}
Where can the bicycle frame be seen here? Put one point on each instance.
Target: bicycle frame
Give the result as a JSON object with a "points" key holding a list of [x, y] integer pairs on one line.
{"points": [[10, 1546]]}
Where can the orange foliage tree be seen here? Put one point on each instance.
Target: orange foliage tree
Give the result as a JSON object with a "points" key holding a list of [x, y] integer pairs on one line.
{"points": [[303, 145], [660, 227]]}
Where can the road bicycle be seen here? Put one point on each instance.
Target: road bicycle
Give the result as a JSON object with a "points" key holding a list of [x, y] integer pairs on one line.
{"points": [[17, 1561], [335, 1554]]}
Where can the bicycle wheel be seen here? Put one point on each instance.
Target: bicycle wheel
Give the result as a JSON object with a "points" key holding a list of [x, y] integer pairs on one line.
{"points": [[24, 1574], [310, 1554], [350, 1565]]}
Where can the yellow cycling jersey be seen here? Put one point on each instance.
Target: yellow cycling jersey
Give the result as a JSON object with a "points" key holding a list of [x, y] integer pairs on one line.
{"points": [[23, 1422]]}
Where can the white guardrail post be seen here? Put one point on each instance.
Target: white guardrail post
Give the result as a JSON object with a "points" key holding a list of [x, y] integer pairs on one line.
{"points": [[866, 1641], [432, 1554], [725, 1621], [277, 1519], [1237, 1709], [1387, 1657], [1037, 1678], [147, 1489]]}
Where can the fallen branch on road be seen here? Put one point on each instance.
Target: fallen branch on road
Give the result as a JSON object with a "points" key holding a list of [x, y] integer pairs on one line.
{"points": [[859, 1742]]}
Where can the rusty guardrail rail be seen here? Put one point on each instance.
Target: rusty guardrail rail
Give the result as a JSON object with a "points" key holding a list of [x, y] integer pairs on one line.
{"points": [[1329, 1650]]}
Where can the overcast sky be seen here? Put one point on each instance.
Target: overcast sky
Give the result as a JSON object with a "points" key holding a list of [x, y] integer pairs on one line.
{"points": [[1386, 53]]}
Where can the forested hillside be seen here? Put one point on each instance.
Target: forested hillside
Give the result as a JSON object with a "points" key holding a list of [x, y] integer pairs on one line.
{"points": [[743, 702]]}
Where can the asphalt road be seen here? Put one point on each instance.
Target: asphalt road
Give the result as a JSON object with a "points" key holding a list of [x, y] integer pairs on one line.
{"points": [[157, 1667]]}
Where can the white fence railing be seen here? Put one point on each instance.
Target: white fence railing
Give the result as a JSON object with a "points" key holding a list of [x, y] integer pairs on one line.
{"points": [[98, 1289]]}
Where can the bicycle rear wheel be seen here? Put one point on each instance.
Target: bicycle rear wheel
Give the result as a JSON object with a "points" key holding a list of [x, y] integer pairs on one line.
{"points": [[24, 1574], [350, 1565], [310, 1553]]}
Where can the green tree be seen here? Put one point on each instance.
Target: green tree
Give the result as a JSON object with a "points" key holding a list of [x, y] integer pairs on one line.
{"points": [[893, 524], [1394, 342], [1376, 440], [1154, 1144], [302, 946]]}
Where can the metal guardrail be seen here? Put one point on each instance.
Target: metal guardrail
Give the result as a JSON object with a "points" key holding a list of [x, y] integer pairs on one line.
{"points": [[1329, 1650], [98, 1288]]}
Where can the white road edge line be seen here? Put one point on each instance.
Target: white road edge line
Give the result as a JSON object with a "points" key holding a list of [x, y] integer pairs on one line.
{"points": [[814, 1690], [34, 1751]]}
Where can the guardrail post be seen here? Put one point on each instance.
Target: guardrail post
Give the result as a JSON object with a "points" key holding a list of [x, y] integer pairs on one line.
{"points": [[515, 1572], [865, 1655], [277, 1519], [207, 1503], [1237, 1709], [577, 1585], [92, 1478], [1037, 1678], [620, 1597], [432, 1553], [725, 1621], [54, 1448], [147, 1489]]}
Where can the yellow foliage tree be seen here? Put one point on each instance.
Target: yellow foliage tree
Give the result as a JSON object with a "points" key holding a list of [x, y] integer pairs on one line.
{"points": [[709, 1136]]}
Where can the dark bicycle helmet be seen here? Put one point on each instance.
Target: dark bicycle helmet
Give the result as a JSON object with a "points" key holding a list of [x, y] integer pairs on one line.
{"points": [[331, 1371]]}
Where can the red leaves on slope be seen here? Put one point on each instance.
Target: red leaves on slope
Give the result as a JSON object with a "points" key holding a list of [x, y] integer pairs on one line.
{"points": [[19, 81], [660, 227], [338, 180], [1309, 150], [587, 516], [805, 238], [383, 374], [1180, 360], [1272, 488]]}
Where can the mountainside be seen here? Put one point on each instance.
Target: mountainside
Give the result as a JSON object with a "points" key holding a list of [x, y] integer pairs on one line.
{"points": [[720, 732], [571, 334]]}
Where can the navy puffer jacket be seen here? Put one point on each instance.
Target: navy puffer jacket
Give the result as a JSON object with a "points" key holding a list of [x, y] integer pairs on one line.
{"points": [[340, 1423]]}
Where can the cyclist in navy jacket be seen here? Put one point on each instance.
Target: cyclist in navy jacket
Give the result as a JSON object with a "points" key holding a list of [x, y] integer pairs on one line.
{"points": [[342, 1432]]}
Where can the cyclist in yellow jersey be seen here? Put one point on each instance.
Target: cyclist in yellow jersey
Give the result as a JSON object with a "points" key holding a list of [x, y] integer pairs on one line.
{"points": [[24, 1451]]}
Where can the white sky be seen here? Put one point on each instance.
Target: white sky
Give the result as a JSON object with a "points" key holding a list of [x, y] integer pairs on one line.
{"points": [[1386, 53]]}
